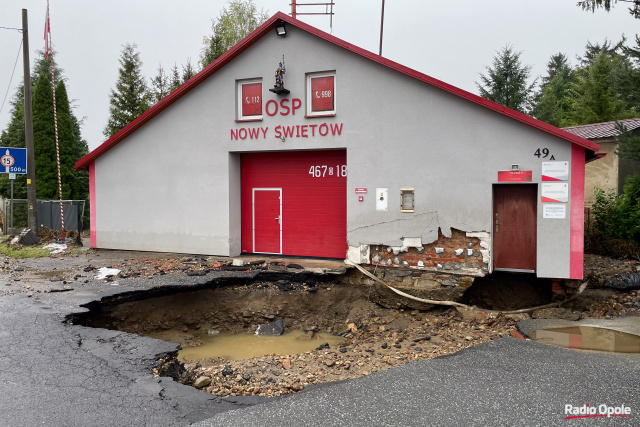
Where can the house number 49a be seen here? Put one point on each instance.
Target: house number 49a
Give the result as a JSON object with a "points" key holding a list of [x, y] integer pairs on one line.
{"points": [[543, 153]]}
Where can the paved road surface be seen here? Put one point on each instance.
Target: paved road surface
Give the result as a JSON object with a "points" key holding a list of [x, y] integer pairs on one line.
{"points": [[508, 382]]}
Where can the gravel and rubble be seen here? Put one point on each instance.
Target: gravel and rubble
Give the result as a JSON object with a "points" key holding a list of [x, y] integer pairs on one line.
{"points": [[375, 338], [371, 345]]}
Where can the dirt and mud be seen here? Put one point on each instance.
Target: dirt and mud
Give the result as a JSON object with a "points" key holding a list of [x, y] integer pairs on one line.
{"points": [[376, 336]]}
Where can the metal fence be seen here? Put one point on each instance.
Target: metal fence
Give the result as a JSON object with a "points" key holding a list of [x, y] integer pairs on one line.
{"points": [[48, 215]]}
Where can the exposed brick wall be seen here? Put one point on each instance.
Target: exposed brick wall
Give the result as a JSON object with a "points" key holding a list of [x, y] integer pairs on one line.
{"points": [[440, 254]]}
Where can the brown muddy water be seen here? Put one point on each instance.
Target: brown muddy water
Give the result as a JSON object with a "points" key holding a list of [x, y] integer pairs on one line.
{"points": [[589, 338], [242, 346]]}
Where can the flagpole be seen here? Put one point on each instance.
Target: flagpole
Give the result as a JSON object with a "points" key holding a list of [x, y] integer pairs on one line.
{"points": [[47, 34]]}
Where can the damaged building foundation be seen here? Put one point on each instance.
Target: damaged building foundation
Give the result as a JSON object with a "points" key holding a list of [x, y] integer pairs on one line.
{"points": [[503, 192]]}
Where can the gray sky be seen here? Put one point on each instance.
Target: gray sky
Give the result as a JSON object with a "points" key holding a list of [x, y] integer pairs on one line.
{"points": [[452, 40]]}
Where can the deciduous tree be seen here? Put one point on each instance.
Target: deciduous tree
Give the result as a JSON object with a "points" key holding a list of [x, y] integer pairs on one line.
{"points": [[235, 22]]}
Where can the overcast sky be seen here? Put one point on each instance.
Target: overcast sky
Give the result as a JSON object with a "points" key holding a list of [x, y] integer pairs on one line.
{"points": [[452, 40]]}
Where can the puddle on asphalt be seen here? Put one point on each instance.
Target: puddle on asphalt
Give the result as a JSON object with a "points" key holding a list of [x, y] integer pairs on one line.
{"points": [[589, 338], [245, 346]]}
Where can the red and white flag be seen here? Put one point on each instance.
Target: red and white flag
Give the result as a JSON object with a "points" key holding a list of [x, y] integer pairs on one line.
{"points": [[47, 32]]}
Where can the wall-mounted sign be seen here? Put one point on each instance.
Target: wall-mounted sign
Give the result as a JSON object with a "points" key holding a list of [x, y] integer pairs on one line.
{"points": [[554, 192], [554, 211], [514, 176], [361, 191], [322, 94], [555, 171], [252, 99]]}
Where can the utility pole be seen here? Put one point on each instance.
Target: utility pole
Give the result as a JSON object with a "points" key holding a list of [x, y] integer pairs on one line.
{"points": [[381, 27], [28, 128]]}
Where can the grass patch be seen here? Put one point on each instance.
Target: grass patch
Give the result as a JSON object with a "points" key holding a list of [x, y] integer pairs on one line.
{"points": [[24, 251]]}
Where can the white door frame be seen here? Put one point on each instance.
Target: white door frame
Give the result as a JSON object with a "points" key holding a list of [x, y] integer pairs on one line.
{"points": [[253, 216]]}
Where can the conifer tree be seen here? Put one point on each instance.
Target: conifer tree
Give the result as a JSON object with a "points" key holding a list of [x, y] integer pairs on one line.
{"points": [[187, 71], [130, 97], [44, 140], [160, 85], [506, 81], [594, 100], [72, 146], [176, 81], [553, 103]]}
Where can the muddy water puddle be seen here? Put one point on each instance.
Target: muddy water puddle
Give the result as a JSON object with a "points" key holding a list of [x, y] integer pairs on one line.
{"points": [[589, 338], [246, 346]]}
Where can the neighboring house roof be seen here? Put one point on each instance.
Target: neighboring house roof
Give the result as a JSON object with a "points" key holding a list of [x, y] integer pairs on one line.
{"points": [[602, 130], [268, 26]]}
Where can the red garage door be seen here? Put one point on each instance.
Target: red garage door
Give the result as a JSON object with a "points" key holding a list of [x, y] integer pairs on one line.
{"points": [[295, 203]]}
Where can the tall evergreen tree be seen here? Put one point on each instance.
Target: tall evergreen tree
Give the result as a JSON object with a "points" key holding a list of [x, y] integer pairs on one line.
{"points": [[506, 81], [625, 77], [592, 5], [72, 146], [235, 22], [160, 85], [628, 143], [75, 185], [175, 80], [593, 49], [130, 98], [44, 140], [553, 103], [594, 100], [188, 71]]}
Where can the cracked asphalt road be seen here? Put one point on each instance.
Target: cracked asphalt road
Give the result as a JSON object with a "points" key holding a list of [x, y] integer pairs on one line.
{"points": [[56, 374]]}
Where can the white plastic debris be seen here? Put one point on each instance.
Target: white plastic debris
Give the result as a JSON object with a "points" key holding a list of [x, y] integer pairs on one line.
{"points": [[56, 248], [106, 272]]}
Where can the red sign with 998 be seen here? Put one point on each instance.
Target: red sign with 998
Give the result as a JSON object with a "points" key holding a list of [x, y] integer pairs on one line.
{"points": [[322, 93]]}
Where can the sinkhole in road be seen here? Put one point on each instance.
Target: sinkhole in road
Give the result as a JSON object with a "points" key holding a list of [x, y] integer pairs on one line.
{"points": [[219, 321], [589, 338]]}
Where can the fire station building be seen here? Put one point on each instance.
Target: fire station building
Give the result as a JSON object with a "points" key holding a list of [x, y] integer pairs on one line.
{"points": [[303, 144]]}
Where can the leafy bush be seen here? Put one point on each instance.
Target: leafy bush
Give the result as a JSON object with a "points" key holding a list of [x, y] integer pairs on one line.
{"points": [[616, 220]]}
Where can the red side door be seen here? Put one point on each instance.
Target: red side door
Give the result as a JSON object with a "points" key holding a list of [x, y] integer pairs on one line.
{"points": [[267, 220], [514, 227]]}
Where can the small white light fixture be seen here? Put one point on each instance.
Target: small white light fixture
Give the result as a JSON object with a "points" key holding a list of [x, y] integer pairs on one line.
{"points": [[281, 29], [515, 167]]}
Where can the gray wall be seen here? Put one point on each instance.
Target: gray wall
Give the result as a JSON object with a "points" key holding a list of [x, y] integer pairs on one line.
{"points": [[398, 132]]}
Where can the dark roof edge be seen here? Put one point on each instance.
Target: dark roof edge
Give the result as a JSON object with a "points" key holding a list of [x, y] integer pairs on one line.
{"points": [[268, 26]]}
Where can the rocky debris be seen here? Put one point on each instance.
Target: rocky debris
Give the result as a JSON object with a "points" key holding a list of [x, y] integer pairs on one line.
{"points": [[557, 313], [616, 305], [201, 382], [273, 328], [379, 343]]}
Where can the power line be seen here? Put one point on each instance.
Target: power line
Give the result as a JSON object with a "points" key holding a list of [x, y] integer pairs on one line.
{"points": [[10, 28], [11, 79]]}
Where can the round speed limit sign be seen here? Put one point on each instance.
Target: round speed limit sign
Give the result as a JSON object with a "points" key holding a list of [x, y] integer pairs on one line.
{"points": [[7, 160]]}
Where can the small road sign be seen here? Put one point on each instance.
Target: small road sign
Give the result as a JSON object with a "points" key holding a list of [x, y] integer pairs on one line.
{"points": [[13, 160]]}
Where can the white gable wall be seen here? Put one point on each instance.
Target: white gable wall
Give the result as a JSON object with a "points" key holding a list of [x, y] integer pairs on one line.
{"points": [[174, 184]]}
